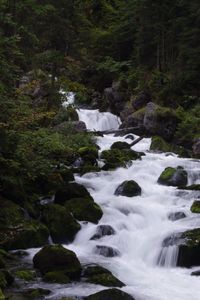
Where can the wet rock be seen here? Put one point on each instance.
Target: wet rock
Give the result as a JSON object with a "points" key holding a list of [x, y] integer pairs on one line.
{"points": [[70, 191], [120, 145], [89, 155], [160, 121], [174, 177], [106, 251], [52, 258], [193, 187], [84, 209], [103, 230], [56, 277], [109, 294], [160, 145], [195, 208], [196, 148], [176, 216], [92, 270], [196, 273], [61, 224], [129, 189]]}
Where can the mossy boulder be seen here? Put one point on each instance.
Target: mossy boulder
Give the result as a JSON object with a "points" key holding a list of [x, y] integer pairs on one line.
{"points": [[174, 177], [195, 208], [159, 144], [89, 155], [26, 235], [116, 158], [26, 275], [120, 145], [84, 209], [109, 294], [99, 275], [56, 277], [61, 224], [70, 191], [128, 188], [52, 258]]}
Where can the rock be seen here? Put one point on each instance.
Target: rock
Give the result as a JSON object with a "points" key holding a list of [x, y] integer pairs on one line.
{"points": [[196, 273], [27, 235], [160, 145], [53, 258], [110, 294], [141, 100], [103, 230], [99, 275], [56, 277], [196, 148], [89, 155], [135, 119], [115, 97], [160, 121], [193, 187], [70, 191], [116, 158], [84, 209], [79, 126], [26, 275], [176, 216], [106, 251], [120, 145], [129, 189], [174, 177], [35, 294], [195, 208], [62, 226]]}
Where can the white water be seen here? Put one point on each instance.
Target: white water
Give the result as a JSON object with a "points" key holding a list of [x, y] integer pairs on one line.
{"points": [[141, 223]]}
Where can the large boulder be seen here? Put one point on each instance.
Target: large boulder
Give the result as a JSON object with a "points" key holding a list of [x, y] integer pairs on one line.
{"points": [[62, 226], [84, 209], [189, 247], [120, 145], [116, 158], [174, 177], [99, 275], [196, 148], [70, 191], [141, 100], [160, 121], [110, 294], [129, 189], [53, 258]]}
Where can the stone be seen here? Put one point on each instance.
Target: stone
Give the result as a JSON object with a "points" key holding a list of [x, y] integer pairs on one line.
{"points": [[196, 148], [103, 230], [110, 294], [84, 209], [129, 189], [176, 216], [52, 258], [195, 208], [173, 177], [106, 251], [120, 145]]}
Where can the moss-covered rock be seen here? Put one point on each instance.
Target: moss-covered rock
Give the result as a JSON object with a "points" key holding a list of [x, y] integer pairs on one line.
{"points": [[35, 294], [116, 158], [174, 177], [195, 208], [84, 209], [61, 224], [99, 275], [193, 187], [70, 191], [129, 189], [56, 277], [26, 235], [109, 294], [159, 144], [120, 145], [89, 155], [53, 258], [26, 275]]}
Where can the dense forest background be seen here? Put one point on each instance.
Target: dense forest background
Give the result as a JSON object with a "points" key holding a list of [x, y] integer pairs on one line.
{"points": [[84, 46]]}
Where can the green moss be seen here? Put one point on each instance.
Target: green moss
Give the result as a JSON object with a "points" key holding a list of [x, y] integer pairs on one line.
{"points": [[129, 189], [174, 177], [88, 154], [56, 277], [118, 158], [193, 187], [120, 145], [192, 237], [62, 226], [195, 208], [84, 209], [106, 280], [26, 275], [167, 174]]}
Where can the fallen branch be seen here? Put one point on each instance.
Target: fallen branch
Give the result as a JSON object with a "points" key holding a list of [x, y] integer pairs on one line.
{"points": [[136, 141], [122, 131]]}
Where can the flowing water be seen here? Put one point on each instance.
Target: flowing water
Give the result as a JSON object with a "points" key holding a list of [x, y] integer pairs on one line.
{"points": [[141, 223]]}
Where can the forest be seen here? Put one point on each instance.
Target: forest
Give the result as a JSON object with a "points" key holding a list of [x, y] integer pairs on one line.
{"points": [[114, 56]]}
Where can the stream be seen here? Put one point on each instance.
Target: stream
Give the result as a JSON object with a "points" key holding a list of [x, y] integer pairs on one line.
{"points": [[140, 223]]}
